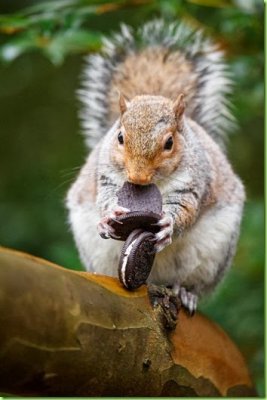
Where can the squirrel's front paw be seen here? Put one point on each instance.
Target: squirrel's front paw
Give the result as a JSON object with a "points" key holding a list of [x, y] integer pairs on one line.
{"points": [[104, 228], [164, 236]]}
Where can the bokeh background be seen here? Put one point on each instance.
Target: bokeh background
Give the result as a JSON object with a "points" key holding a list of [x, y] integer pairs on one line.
{"points": [[41, 147]]}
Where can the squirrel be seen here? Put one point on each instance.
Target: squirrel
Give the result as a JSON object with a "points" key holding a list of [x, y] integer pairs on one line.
{"points": [[166, 126]]}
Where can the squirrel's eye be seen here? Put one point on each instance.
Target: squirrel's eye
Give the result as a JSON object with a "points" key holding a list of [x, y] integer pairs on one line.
{"points": [[120, 138], [168, 144]]}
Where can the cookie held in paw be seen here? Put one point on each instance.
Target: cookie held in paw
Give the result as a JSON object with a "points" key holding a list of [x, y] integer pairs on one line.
{"points": [[140, 198], [136, 259], [124, 225], [138, 227], [145, 205]]}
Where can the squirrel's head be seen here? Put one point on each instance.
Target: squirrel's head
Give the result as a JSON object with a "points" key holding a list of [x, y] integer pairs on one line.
{"points": [[148, 143]]}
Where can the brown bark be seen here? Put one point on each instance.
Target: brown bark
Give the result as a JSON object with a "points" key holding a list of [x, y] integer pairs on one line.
{"points": [[67, 333]]}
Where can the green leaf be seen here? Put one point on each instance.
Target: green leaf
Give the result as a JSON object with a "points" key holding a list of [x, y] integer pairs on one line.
{"points": [[13, 24], [71, 42], [212, 3], [16, 47]]}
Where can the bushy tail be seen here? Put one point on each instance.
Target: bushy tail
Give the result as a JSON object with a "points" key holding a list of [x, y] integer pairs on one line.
{"points": [[158, 58]]}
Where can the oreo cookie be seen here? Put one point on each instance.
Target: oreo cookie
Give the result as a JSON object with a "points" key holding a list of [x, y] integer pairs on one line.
{"points": [[137, 227], [136, 259], [145, 205], [125, 224], [140, 198]]}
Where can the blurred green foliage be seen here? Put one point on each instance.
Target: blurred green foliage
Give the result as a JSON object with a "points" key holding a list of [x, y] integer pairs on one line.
{"points": [[41, 49]]}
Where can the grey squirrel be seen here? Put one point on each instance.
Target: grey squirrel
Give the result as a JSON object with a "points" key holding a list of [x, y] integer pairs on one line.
{"points": [[167, 127]]}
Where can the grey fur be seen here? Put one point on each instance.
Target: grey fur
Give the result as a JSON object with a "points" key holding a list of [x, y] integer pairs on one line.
{"points": [[211, 108]]}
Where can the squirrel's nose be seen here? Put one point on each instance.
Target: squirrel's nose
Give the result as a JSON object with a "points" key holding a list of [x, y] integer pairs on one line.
{"points": [[139, 179]]}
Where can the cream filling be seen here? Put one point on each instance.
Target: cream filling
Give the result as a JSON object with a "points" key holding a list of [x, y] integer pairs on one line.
{"points": [[125, 259]]}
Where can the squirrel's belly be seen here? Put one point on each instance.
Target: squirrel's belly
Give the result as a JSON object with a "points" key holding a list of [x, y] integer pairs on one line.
{"points": [[200, 256]]}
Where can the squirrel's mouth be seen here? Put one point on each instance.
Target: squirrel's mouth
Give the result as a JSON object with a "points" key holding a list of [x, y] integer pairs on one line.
{"points": [[139, 181], [140, 178]]}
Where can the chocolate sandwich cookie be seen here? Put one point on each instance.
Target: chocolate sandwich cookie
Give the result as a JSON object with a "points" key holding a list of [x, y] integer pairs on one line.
{"points": [[137, 197], [125, 224], [145, 205], [137, 227], [136, 259]]}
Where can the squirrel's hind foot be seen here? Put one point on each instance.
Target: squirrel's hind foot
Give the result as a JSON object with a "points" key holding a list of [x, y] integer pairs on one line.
{"points": [[188, 299], [171, 299], [170, 304]]}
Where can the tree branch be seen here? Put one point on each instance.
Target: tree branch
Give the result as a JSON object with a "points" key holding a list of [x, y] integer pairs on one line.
{"points": [[67, 333]]}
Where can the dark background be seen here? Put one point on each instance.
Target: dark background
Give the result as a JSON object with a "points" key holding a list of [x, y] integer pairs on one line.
{"points": [[41, 54]]}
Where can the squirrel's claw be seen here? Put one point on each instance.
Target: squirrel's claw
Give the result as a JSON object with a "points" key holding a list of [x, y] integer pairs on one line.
{"points": [[118, 211], [104, 228], [164, 237], [160, 245], [189, 300]]}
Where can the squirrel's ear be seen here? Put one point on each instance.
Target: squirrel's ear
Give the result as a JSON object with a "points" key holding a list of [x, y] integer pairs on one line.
{"points": [[179, 107], [123, 103]]}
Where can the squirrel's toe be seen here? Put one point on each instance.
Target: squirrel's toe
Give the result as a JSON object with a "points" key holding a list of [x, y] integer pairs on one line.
{"points": [[189, 300]]}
